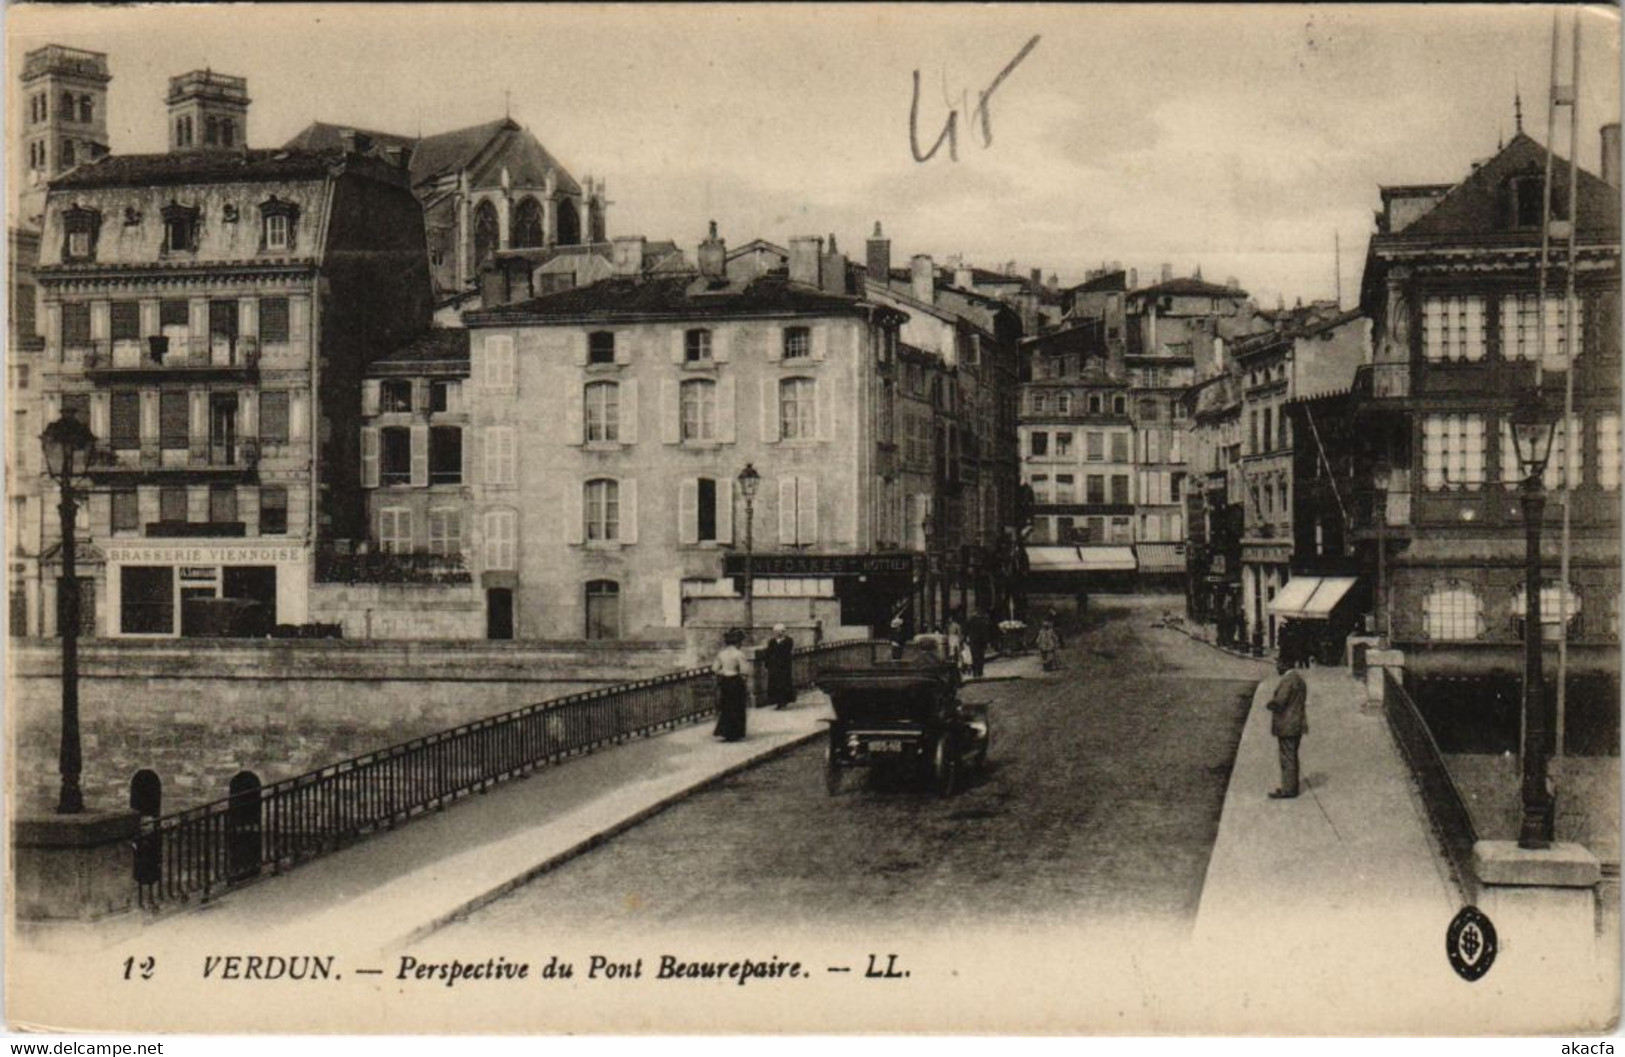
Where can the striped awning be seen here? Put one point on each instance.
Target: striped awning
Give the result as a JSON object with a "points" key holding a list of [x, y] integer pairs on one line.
{"points": [[1080, 559], [1310, 597], [1160, 557]]}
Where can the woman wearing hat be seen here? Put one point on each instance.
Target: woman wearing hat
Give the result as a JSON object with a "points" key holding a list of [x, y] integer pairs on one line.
{"points": [[781, 687], [730, 671]]}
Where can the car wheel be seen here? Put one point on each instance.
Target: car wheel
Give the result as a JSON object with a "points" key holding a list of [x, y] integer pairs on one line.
{"points": [[832, 770], [945, 766]]}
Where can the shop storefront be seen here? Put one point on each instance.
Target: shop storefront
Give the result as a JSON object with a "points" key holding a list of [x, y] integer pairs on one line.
{"points": [[189, 590], [871, 588]]}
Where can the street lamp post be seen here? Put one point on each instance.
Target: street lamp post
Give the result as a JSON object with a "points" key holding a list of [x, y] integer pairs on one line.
{"points": [[1533, 426], [67, 443], [749, 481]]}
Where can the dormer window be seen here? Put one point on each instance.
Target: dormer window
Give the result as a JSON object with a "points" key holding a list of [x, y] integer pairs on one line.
{"points": [[1525, 200], [80, 226], [278, 223], [180, 228]]}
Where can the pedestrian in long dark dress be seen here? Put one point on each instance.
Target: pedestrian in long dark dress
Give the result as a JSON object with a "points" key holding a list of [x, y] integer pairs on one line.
{"points": [[730, 671], [781, 687], [979, 633]]}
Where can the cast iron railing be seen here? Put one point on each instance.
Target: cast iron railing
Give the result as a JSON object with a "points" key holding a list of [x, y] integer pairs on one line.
{"points": [[201, 852], [1447, 811]]}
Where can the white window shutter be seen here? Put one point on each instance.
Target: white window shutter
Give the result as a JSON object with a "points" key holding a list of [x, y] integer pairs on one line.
{"points": [[770, 410], [688, 509], [726, 395], [787, 510], [369, 397], [420, 394], [468, 455], [825, 409], [623, 348], [719, 345], [677, 339], [725, 510], [578, 347], [775, 345], [369, 458], [629, 408], [575, 429], [670, 424], [420, 456], [573, 528], [806, 510], [629, 510], [820, 342]]}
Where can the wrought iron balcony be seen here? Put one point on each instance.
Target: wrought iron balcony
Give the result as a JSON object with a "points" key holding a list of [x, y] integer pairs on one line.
{"points": [[216, 356], [149, 461]]}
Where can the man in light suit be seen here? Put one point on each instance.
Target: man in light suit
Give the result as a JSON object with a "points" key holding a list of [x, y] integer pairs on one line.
{"points": [[1289, 724]]}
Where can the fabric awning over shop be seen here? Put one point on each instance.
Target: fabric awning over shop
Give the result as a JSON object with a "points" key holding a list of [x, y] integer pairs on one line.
{"points": [[1311, 597], [1081, 559], [1160, 557]]}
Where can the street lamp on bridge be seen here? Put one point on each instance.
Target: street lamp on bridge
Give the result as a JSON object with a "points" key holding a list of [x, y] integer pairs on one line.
{"points": [[749, 480], [67, 443]]}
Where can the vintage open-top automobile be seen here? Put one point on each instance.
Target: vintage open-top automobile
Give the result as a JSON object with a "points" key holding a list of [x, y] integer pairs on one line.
{"points": [[904, 716]]}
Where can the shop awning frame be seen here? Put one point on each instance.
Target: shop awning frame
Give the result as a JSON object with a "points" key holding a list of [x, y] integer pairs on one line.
{"points": [[1311, 597]]}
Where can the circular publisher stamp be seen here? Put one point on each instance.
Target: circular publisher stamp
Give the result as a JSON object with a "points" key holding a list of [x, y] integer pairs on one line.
{"points": [[1470, 941]]}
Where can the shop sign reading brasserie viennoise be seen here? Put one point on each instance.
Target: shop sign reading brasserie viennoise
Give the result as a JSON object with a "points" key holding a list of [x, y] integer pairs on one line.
{"points": [[133, 555], [821, 565]]}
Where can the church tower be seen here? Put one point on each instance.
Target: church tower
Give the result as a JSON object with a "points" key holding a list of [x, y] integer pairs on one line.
{"points": [[207, 111], [64, 93]]}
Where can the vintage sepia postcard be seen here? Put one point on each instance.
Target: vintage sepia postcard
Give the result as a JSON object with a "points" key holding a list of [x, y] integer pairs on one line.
{"points": [[805, 519]]}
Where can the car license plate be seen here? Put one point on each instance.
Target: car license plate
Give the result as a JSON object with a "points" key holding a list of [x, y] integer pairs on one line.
{"points": [[886, 745]]}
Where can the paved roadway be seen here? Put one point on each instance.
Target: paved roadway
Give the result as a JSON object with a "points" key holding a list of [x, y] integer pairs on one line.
{"points": [[1101, 800]]}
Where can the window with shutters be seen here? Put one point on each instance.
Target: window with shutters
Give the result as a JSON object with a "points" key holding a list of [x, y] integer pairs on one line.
{"points": [[395, 456], [180, 229], [1094, 449], [498, 355], [1095, 488], [798, 409], [274, 417], [174, 420], [1521, 320], [75, 324], [1452, 612], [705, 510], [1561, 452], [172, 504], [395, 530], [274, 326], [1452, 452], [1038, 443], [1608, 452], [1040, 402], [601, 508], [1453, 329], [603, 607], [126, 511], [1122, 530], [125, 424], [697, 407], [273, 510], [80, 228], [395, 394], [445, 455], [499, 455], [1063, 403], [125, 320], [797, 343], [798, 510], [602, 411], [1065, 488], [444, 396], [1040, 486], [222, 503], [601, 347], [278, 230], [697, 346], [501, 539], [1120, 488], [446, 531]]}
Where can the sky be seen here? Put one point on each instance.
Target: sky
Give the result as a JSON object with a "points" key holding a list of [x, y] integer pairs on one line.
{"points": [[1240, 140]]}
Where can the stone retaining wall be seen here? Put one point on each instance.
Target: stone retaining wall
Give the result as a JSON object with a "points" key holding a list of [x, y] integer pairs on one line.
{"points": [[200, 711]]}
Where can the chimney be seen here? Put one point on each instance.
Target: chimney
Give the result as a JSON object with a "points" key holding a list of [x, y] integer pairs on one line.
{"points": [[1037, 277], [1133, 278], [628, 256], [923, 279], [834, 269], [806, 253], [879, 257], [1610, 154], [964, 278], [1167, 273], [713, 255]]}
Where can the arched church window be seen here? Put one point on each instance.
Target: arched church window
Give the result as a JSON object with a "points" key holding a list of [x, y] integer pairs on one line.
{"points": [[569, 223], [487, 233], [528, 229]]}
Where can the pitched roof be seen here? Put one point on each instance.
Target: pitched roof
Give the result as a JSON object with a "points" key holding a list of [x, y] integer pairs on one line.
{"points": [[195, 167], [676, 296], [437, 345], [321, 135], [759, 244], [1110, 282], [443, 153], [1190, 287], [1475, 205]]}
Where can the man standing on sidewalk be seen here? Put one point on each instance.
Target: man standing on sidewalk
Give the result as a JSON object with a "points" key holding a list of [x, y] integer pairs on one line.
{"points": [[978, 634], [1288, 724]]}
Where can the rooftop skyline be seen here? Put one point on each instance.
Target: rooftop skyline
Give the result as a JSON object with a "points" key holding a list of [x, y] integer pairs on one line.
{"points": [[1234, 139]]}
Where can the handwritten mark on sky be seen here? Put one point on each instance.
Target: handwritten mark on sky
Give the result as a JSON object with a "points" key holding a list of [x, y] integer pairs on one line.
{"points": [[981, 113]]}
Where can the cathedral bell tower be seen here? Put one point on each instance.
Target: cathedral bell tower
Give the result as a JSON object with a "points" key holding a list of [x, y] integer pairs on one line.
{"points": [[207, 111], [64, 93]]}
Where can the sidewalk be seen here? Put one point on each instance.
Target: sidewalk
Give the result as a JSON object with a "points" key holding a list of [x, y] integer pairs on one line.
{"points": [[395, 887]]}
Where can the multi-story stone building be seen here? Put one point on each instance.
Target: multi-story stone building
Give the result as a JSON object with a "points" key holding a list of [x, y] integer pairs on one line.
{"points": [[1274, 369], [484, 189], [208, 312], [1214, 507], [607, 426], [1451, 285]]}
